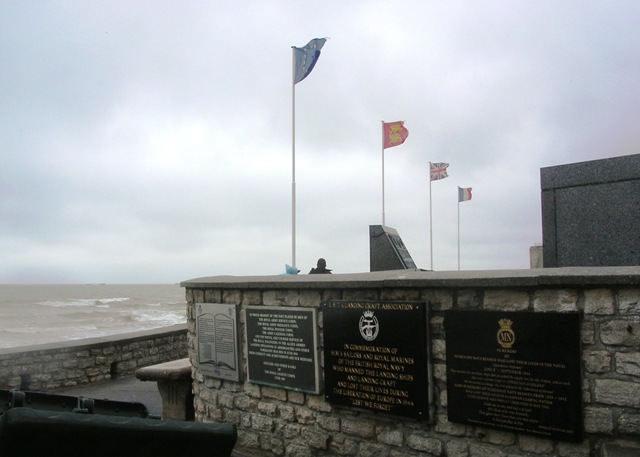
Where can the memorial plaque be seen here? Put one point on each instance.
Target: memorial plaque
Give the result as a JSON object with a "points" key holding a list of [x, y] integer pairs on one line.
{"points": [[217, 340], [375, 356], [282, 347], [515, 371]]}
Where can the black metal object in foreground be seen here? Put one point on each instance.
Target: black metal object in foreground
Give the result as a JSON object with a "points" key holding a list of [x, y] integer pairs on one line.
{"points": [[63, 403], [37, 424], [30, 432]]}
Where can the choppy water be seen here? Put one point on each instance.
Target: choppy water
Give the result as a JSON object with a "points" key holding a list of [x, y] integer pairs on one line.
{"points": [[37, 314]]}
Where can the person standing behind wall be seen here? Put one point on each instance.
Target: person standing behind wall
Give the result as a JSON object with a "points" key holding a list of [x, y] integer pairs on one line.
{"points": [[321, 268]]}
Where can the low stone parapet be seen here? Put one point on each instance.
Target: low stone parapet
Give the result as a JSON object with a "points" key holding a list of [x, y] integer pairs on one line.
{"points": [[47, 367]]}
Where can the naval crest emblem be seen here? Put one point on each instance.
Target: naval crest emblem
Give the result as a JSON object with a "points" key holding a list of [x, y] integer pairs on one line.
{"points": [[506, 336], [369, 326]]}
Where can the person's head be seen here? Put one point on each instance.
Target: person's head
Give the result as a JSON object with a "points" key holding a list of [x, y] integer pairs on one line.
{"points": [[322, 263]]}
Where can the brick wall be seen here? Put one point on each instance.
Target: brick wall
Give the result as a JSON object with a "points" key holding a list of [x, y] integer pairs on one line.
{"points": [[51, 366], [278, 422]]}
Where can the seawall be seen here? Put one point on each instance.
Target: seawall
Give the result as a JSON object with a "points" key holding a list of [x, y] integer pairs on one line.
{"points": [[275, 421], [71, 363]]}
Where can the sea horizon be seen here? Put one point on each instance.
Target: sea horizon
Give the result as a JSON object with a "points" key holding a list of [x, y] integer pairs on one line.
{"points": [[49, 313]]}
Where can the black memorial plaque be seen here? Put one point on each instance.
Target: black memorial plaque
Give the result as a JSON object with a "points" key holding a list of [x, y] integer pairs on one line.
{"points": [[375, 356], [515, 371], [282, 345]]}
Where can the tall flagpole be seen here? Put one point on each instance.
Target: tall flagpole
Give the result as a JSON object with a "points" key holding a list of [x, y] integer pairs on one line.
{"points": [[458, 227], [382, 173], [293, 158], [430, 221], [303, 61]]}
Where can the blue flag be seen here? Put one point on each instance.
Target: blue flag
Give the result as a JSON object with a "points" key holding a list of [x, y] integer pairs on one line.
{"points": [[289, 270], [306, 58]]}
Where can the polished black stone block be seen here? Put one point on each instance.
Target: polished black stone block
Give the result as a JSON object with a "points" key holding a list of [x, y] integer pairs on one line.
{"points": [[591, 213]]}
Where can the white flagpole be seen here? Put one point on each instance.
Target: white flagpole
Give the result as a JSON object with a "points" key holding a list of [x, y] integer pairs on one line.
{"points": [[458, 227], [383, 173], [430, 221], [293, 159]]}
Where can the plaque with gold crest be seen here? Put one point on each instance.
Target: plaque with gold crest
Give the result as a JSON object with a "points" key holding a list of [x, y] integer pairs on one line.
{"points": [[506, 336], [515, 371]]}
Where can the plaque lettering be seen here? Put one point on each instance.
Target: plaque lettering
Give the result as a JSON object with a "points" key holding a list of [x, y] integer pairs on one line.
{"points": [[515, 371], [282, 347]]}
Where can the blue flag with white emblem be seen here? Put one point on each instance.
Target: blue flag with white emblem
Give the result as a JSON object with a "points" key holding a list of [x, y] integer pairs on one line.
{"points": [[306, 58]]}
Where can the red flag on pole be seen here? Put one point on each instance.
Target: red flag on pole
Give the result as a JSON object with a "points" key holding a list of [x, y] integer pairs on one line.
{"points": [[394, 134]]}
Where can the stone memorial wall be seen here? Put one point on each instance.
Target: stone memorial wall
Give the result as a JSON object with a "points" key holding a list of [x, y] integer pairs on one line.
{"points": [[412, 363]]}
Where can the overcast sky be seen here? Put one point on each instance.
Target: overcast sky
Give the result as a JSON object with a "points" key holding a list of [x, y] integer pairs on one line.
{"points": [[151, 141]]}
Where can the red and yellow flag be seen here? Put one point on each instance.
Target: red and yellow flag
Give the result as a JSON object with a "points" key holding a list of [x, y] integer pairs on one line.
{"points": [[394, 134]]}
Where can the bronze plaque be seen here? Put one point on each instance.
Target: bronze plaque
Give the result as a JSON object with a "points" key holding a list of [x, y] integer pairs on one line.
{"points": [[515, 371], [375, 356], [217, 347]]}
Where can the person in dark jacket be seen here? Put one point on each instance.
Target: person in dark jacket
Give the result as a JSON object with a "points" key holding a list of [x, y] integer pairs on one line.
{"points": [[321, 268]]}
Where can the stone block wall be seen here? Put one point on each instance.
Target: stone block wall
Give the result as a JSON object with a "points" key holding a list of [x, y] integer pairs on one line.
{"points": [[50, 366], [278, 422]]}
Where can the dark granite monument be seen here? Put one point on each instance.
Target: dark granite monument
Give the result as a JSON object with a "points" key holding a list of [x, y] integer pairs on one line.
{"points": [[387, 251], [591, 213]]}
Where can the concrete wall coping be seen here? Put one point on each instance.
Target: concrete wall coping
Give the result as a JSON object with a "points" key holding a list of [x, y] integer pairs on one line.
{"points": [[174, 370], [565, 276], [613, 169], [97, 341]]}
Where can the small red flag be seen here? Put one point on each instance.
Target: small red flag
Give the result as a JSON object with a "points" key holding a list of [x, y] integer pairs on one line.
{"points": [[394, 134]]}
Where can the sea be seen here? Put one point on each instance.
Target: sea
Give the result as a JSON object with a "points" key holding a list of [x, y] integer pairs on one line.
{"points": [[39, 314]]}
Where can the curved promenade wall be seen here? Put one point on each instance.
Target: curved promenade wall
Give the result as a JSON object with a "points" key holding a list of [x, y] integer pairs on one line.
{"points": [[51, 366], [279, 422]]}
